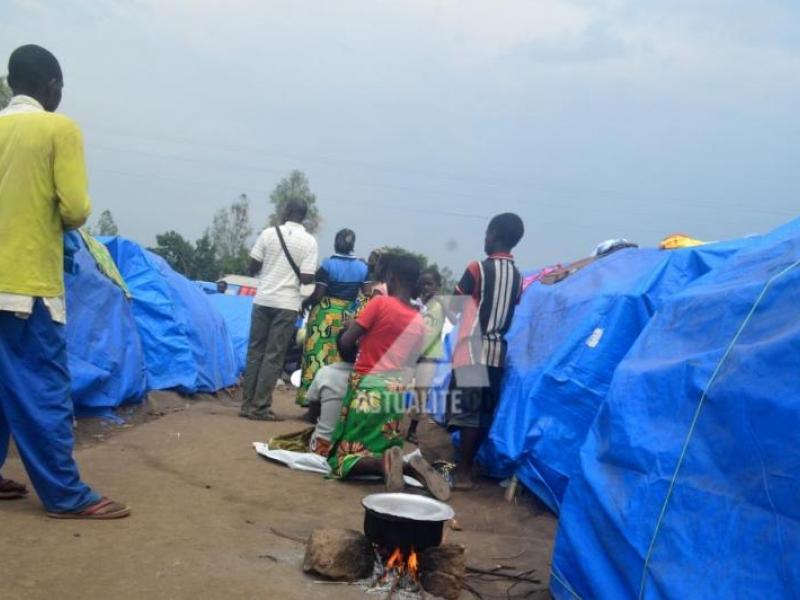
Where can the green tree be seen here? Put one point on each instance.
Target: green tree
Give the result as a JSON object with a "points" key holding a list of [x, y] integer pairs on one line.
{"points": [[106, 224], [229, 235], [448, 279], [5, 93], [204, 260], [177, 251], [294, 186]]}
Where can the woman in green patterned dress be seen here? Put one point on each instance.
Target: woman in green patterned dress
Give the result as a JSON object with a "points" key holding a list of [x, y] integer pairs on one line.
{"points": [[338, 282], [389, 334]]}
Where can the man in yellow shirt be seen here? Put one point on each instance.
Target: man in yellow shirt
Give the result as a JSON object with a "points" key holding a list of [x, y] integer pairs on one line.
{"points": [[43, 192]]}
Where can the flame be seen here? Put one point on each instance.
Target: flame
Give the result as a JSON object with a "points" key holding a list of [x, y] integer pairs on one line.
{"points": [[395, 560], [413, 564], [398, 562]]}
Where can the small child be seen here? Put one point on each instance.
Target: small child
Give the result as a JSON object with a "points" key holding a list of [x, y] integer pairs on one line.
{"points": [[325, 395], [430, 284], [492, 287]]}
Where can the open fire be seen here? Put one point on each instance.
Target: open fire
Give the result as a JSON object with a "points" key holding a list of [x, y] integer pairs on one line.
{"points": [[398, 571], [397, 565]]}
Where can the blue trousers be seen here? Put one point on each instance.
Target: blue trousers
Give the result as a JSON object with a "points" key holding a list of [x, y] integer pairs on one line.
{"points": [[36, 408]]}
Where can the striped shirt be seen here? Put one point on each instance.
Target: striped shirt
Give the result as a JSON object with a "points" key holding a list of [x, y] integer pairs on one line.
{"points": [[493, 287]]}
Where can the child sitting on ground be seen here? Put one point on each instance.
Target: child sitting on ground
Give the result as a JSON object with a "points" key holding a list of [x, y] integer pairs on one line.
{"points": [[325, 396]]}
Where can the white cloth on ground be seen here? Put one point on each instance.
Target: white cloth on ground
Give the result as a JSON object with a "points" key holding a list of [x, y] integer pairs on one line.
{"points": [[314, 463]]}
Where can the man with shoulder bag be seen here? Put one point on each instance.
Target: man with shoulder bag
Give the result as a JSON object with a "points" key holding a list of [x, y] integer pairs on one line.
{"points": [[284, 258]]}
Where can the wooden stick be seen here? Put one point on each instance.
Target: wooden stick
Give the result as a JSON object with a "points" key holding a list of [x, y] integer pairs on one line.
{"points": [[501, 575], [286, 536], [472, 590]]}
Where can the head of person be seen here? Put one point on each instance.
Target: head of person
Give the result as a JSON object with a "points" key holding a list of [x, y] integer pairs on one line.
{"points": [[402, 274], [296, 210], [503, 233], [430, 283], [35, 72], [345, 241], [222, 286], [375, 262], [347, 355]]}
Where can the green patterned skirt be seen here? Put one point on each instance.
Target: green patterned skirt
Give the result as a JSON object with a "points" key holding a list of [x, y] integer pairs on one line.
{"points": [[370, 420], [324, 323]]}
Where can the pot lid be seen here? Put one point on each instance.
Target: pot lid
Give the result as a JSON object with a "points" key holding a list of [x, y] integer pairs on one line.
{"points": [[408, 506]]}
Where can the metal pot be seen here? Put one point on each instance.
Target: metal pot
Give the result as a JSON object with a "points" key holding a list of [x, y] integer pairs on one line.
{"points": [[405, 521]]}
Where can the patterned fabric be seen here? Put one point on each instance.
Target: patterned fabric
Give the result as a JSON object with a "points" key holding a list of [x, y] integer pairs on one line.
{"points": [[104, 262], [434, 317], [301, 441], [324, 323], [370, 420]]}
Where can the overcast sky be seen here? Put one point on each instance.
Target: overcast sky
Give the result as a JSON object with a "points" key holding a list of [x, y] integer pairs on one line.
{"points": [[416, 120]]}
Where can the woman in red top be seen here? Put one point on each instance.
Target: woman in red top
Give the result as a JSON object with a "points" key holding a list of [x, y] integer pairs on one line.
{"points": [[389, 334]]}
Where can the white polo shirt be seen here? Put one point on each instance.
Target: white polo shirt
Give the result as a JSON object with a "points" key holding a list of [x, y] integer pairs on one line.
{"points": [[278, 285]]}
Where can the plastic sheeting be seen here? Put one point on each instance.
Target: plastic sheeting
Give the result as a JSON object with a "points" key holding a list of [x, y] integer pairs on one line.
{"points": [[185, 340], [105, 356], [565, 342], [237, 312], [689, 480]]}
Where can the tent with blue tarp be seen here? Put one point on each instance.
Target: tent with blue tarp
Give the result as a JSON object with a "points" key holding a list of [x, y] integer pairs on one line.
{"points": [[565, 342], [237, 311], [104, 351], [185, 340], [689, 479]]}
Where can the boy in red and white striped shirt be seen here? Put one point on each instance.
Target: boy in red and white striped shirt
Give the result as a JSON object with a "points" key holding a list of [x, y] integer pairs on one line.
{"points": [[492, 288]]}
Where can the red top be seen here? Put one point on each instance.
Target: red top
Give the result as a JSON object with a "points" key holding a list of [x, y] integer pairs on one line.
{"points": [[393, 338]]}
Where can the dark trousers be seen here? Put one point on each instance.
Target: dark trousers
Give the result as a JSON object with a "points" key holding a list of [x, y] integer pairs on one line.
{"points": [[270, 332], [474, 395], [36, 408]]}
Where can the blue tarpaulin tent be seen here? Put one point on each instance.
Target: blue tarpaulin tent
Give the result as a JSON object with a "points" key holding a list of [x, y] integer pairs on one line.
{"points": [[236, 310], [565, 342], [689, 479], [185, 340], [106, 362]]}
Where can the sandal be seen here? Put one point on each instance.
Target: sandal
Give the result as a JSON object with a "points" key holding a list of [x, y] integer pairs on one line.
{"points": [[103, 510], [433, 480], [11, 490], [393, 469]]}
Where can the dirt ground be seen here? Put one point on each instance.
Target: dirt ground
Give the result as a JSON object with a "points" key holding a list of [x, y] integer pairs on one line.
{"points": [[214, 520]]}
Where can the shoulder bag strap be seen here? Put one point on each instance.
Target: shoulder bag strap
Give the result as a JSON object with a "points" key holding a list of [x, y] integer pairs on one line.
{"points": [[286, 253]]}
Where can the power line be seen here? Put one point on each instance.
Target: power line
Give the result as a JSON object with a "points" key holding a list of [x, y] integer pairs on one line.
{"points": [[596, 193], [644, 211]]}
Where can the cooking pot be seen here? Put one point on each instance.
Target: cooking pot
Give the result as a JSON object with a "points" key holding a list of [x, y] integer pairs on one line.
{"points": [[404, 521]]}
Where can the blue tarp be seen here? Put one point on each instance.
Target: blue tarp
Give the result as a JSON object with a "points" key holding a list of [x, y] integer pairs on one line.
{"points": [[106, 362], [185, 340], [690, 473], [237, 311], [565, 342]]}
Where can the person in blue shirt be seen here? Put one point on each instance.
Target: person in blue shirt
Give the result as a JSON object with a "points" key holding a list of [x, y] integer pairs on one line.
{"points": [[338, 282]]}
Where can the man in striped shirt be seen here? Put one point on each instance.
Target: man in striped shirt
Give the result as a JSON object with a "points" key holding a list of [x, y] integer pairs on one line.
{"points": [[491, 290]]}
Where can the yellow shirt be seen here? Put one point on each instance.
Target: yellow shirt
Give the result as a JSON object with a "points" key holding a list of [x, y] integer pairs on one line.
{"points": [[43, 191]]}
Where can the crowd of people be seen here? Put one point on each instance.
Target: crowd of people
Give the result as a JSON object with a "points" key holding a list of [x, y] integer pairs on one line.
{"points": [[374, 342], [374, 332]]}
